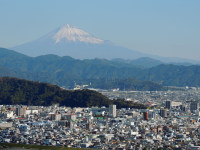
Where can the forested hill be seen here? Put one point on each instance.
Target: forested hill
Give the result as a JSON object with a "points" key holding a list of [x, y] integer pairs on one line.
{"points": [[65, 71], [18, 91]]}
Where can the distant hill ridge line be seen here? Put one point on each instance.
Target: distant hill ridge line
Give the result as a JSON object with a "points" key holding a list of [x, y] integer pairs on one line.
{"points": [[63, 71]]}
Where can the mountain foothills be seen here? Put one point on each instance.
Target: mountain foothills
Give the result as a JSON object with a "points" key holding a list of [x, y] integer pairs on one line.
{"points": [[143, 62], [65, 71], [18, 91], [98, 73]]}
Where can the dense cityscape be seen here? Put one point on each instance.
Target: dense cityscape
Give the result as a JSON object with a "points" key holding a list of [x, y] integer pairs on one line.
{"points": [[170, 122], [111, 75]]}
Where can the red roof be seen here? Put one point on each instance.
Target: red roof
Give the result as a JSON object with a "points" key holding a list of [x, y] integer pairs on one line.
{"points": [[149, 103], [20, 118]]}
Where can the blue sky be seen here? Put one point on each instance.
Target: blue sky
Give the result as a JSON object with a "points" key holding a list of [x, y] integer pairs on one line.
{"points": [[165, 28]]}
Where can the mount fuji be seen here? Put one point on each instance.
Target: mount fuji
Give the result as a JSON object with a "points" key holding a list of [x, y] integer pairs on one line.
{"points": [[71, 41]]}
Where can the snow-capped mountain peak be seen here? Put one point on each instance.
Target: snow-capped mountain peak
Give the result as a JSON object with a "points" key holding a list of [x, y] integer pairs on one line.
{"points": [[74, 34], [71, 41]]}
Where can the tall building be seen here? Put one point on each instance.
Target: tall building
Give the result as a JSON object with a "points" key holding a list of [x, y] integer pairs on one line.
{"points": [[151, 114], [69, 117], [145, 115], [194, 106], [112, 111], [21, 111], [70, 124], [56, 117], [163, 113], [89, 124], [168, 104], [183, 107]]}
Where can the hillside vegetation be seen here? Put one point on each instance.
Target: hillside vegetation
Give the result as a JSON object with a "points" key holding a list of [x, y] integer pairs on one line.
{"points": [[64, 71], [36, 147], [18, 91], [101, 73]]}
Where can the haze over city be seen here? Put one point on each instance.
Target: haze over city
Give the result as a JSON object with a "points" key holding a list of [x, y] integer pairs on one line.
{"points": [[163, 28]]}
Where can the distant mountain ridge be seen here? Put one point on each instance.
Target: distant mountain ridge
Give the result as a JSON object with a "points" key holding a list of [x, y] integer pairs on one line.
{"points": [[63, 71], [144, 62]]}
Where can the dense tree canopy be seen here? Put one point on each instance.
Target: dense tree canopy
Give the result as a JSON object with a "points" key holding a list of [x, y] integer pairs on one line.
{"points": [[18, 91], [63, 71]]}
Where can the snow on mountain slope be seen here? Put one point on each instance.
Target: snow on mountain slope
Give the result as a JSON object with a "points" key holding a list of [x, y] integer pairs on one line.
{"points": [[74, 34], [74, 42]]}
